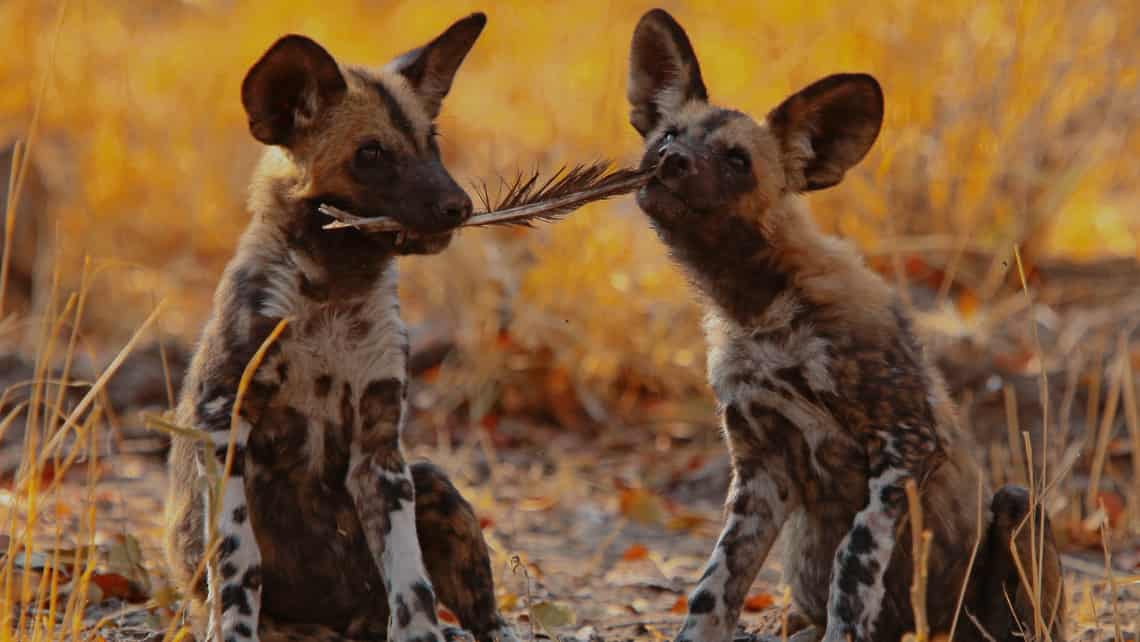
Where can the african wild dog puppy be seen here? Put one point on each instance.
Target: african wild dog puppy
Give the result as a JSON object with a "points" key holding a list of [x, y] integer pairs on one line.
{"points": [[828, 403], [324, 529]]}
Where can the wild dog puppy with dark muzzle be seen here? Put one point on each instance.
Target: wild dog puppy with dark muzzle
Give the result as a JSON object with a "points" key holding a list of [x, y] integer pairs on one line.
{"points": [[828, 402], [324, 531]]}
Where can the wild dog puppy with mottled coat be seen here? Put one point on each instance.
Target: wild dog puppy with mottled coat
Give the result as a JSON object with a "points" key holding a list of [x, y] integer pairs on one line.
{"points": [[324, 529], [828, 403]]}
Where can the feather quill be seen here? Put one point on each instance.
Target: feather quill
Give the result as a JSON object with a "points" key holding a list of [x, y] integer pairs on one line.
{"points": [[524, 200]]}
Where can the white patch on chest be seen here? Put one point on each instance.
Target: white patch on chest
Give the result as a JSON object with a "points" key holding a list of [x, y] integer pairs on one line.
{"points": [[327, 341]]}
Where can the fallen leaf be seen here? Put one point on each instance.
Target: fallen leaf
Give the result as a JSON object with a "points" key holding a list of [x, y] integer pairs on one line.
{"points": [[635, 552], [1013, 361], [508, 601], [445, 615], [641, 506], [758, 602], [968, 303], [640, 605], [686, 521], [490, 421], [537, 504], [114, 585], [552, 615], [125, 559], [485, 522], [681, 606]]}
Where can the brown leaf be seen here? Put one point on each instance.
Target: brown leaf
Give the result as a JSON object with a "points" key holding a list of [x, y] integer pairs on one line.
{"points": [[686, 521], [115, 585], [758, 602], [1113, 506], [968, 303], [445, 615], [635, 552], [641, 506], [681, 606]]}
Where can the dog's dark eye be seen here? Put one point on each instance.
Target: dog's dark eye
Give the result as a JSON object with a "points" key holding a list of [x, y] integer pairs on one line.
{"points": [[739, 159], [369, 155]]}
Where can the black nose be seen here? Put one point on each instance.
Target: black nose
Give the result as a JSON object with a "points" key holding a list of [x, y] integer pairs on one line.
{"points": [[675, 164], [455, 208]]}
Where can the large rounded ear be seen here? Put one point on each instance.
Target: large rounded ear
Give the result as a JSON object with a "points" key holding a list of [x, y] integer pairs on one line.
{"points": [[431, 68], [663, 71], [287, 88], [827, 128]]}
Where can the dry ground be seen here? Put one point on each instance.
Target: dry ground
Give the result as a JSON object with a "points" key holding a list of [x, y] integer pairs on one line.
{"points": [[599, 530]]}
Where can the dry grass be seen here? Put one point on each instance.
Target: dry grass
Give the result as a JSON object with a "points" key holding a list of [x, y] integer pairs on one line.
{"points": [[1008, 126]]}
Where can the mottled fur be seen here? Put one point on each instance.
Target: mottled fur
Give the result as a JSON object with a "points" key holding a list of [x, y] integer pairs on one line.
{"points": [[325, 532], [829, 404]]}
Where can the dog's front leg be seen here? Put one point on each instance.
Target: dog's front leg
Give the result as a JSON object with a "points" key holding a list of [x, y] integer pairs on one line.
{"points": [[759, 501], [381, 486], [235, 577]]}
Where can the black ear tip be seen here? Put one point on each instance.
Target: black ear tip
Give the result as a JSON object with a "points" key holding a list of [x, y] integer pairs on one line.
{"points": [[292, 38], [476, 21], [658, 20], [295, 41], [874, 85], [657, 15], [871, 85]]}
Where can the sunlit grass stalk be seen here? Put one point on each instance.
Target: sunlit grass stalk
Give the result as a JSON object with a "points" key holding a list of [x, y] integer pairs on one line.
{"points": [[1012, 429], [1037, 494], [1104, 432], [970, 564], [28, 478], [1132, 419], [920, 544], [1111, 578], [69, 354]]}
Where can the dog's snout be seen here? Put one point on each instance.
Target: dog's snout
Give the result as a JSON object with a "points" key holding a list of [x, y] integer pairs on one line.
{"points": [[675, 164], [455, 208]]}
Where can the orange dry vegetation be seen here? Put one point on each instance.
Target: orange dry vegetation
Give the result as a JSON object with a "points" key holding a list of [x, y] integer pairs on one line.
{"points": [[1007, 122]]}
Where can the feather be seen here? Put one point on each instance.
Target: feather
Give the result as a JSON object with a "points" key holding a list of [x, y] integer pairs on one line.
{"points": [[524, 200]]}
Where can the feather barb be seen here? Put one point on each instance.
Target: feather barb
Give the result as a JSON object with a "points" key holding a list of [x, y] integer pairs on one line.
{"points": [[523, 200]]}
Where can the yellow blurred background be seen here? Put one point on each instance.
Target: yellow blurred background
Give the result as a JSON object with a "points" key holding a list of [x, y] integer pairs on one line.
{"points": [[1006, 122]]}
